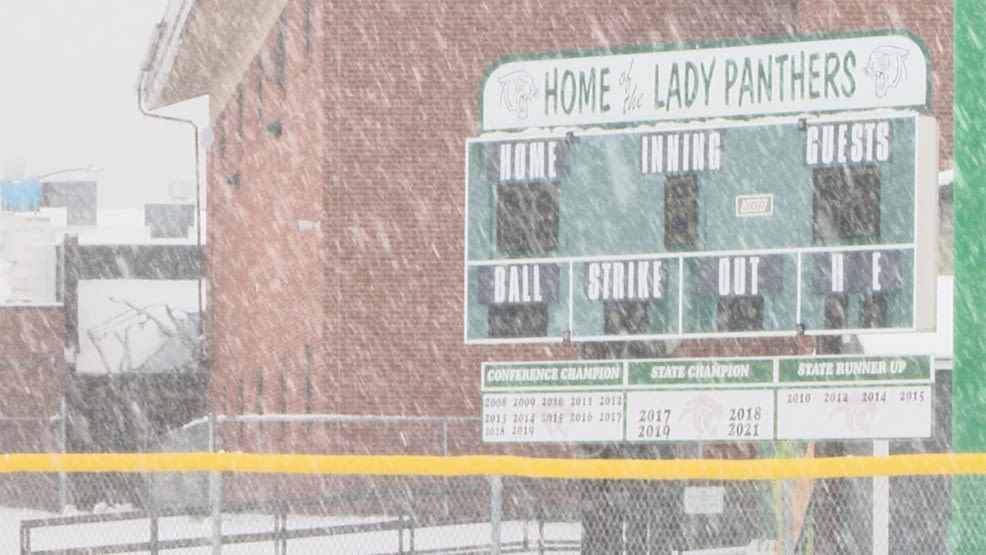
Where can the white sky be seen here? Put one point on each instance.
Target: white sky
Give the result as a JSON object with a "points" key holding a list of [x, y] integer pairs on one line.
{"points": [[68, 79]]}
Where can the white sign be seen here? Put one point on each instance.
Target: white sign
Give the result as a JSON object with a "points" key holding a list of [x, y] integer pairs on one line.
{"points": [[703, 415], [704, 500], [839, 73], [553, 417], [875, 412], [840, 397]]}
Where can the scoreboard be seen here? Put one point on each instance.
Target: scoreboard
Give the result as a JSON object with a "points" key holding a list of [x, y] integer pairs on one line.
{"points": [[720, 228]]}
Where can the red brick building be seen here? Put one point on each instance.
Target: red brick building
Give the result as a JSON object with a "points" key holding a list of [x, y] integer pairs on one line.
{"points": [[32, 367], [335, 181], [32, 376]]}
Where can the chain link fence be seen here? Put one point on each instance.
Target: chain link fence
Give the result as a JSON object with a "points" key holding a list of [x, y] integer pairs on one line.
{"points": [[442, 502], [32, 434], [489, 514]]}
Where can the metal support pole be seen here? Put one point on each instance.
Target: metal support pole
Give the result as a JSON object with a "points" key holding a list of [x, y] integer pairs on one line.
{"points": [[445, 481], [154, 525], [25, 540], [281, 530], [881, 503], [215, 494], [445, 436], [62, 493], [787, 516], [496, 513]]}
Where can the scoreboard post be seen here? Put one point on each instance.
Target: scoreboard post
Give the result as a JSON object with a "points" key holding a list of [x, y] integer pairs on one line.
{"points": [[969, 380]]}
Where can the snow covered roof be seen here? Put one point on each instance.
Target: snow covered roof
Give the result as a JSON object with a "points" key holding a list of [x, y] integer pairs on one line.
{"points": [[202, 47]]}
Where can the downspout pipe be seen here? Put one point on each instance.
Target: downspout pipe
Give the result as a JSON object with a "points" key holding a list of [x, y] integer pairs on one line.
{"points": [[198, 188]]}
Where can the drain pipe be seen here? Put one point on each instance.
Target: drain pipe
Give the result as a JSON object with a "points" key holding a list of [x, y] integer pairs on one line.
{"points": [[198, 189]]}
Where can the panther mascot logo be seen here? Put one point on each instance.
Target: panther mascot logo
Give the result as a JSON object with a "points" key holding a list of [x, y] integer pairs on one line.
{"points": [[706, 415], [517, 91], [886, 67]]}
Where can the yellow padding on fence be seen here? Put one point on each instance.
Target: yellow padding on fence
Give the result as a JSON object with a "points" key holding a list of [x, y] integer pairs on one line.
{"points": [[682, 469]]}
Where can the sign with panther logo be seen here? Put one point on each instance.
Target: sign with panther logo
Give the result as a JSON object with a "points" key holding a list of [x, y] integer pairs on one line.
{"points": [[814, 74]]}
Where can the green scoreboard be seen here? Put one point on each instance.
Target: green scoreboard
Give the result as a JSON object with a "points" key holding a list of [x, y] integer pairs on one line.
{"points": [[752, 228], [621, 195]]}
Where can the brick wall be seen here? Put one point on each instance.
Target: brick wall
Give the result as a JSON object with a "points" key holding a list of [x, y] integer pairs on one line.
{"points": [[376, 292], [373, 122], [409, 79], [266, 255], [32, 370]]}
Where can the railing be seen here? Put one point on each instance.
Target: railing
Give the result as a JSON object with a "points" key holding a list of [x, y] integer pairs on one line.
{"points": [[290, 521], [37, 434]]}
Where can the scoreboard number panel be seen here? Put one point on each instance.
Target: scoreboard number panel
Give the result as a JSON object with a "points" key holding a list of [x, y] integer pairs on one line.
{"points": [[621, 297], [858, 289], [731, 228], [680, 211], [744, 293]]}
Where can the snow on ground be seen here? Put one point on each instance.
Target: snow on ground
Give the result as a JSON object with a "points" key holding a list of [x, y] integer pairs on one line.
{"points": [[83, 535]]}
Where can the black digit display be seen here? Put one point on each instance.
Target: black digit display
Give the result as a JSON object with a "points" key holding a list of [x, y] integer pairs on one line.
{"points": [[518, 320], [846, 202], [863, 200], [874, 311], [680, 211], [527, 217], [740, 313], [625, 317], [836, 306]]}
